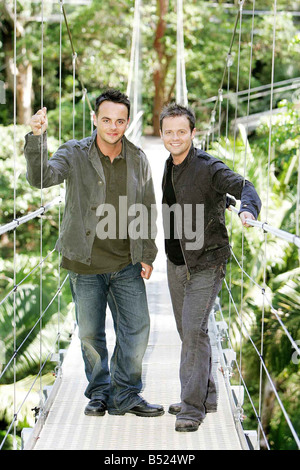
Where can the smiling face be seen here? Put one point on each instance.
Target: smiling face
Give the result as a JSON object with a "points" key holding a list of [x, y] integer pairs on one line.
{"points": [[111, 122], [177, 136]]}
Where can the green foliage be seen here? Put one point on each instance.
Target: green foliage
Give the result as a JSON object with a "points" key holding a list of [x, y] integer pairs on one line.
{"points": [[27, 199], [277, 185], [25, 317]]}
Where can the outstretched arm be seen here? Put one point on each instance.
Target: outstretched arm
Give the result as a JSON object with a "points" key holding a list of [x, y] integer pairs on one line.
{"points": [[224, 180]]}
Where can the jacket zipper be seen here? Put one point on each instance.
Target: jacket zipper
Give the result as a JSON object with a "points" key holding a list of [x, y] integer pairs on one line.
{"points": [[188, 274]]}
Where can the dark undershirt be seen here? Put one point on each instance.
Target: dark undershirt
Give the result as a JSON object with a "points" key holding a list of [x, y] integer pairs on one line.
{"points": [[172, 244]]}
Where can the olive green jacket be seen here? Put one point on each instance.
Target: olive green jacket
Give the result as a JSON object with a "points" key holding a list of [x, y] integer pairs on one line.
{"points": [[78, 163]]}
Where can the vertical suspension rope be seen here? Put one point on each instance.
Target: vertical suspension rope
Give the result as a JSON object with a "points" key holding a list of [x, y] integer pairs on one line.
{"points": [[15, 216], [246, 138], [229, 63], [60, 188], [92, 121], [220, 94], [60, 72], [42, 203], [74, 90], [241, 2], [136, 101], [246, 147], [298, 200], [83, 112]]}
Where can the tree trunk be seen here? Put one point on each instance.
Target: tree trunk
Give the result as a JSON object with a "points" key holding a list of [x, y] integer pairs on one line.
{"points": [[24, 90], [24, 93]]}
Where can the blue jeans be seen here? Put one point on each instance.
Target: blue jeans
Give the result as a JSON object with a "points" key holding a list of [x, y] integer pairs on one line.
{"points": [[192, 302], [124, 292]]}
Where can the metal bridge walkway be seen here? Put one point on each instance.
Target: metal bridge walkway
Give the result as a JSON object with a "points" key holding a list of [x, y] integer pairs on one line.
{"points": [[67, 428]]}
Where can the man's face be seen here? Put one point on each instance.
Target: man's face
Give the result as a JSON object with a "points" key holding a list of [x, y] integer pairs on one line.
{"points": [[111, 122], [177, 135]]}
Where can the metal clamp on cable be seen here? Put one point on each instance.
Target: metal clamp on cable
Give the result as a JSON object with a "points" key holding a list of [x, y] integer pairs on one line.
{"points": [[229, 60], [17, 223], [241, 4]]}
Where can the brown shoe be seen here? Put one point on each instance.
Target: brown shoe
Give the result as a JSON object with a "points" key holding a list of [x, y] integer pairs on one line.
{"points": [[186, 425]]}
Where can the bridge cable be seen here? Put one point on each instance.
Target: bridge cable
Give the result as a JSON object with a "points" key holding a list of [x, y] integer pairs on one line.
{"points": [[14, 240]]}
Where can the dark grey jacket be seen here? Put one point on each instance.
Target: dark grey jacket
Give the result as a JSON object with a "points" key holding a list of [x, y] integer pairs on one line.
{"points": [[205, 180], [79, 164]]}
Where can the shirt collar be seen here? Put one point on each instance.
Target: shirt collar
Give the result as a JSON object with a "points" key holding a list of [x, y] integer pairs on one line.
{"points": [[101, 154]]}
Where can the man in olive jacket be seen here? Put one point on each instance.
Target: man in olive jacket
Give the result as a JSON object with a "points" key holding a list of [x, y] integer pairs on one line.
{"points": [[106, 256], [195, 188]]}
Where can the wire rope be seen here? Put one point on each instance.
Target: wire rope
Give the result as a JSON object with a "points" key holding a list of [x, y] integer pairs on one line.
{"points": [[298, 199], [241, 3], [42, 204], [14, 242], [59, 285]]}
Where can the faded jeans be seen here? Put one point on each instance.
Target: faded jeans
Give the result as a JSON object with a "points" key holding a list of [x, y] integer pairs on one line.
{"points": [[192, 301], [124, 293]]}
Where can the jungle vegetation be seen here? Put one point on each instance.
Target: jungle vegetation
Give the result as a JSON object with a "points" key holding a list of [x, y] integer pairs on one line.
{"points": [[102, 34]]}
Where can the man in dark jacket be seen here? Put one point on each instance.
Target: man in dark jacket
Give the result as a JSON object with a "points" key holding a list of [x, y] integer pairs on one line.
{"points": [[195, 188]]}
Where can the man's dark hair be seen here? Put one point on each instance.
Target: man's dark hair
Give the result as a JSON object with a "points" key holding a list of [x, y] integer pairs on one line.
{"points": [[112, 95], [173, 110]]}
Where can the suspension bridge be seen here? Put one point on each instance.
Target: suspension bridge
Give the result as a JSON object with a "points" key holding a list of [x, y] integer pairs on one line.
{"points": [[60, 421]]}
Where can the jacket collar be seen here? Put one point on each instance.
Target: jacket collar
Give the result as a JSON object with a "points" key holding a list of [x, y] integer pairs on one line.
{"points": [[187, 159]]}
